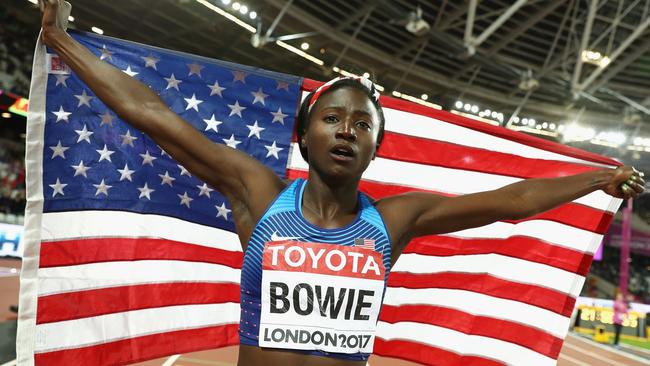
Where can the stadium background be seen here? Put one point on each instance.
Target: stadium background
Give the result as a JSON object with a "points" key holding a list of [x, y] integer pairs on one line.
{"points": [[533, 72]]}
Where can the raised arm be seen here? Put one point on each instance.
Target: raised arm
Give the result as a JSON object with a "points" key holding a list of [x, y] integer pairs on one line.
{"points": [[242, 179], [418, 214]]}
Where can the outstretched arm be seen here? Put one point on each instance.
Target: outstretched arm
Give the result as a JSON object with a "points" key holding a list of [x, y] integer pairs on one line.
{"points": [[235, 174], [418, 214]]}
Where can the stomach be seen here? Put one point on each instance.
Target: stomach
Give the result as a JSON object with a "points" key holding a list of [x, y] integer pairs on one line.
{"points": [[258, 356]]}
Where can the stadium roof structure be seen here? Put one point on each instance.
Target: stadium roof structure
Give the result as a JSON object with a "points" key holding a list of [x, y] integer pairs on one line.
{"points": [[552, 60]]}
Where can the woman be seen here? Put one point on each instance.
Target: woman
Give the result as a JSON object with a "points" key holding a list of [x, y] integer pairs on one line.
{"points": [[620, 311], [282, 225]]}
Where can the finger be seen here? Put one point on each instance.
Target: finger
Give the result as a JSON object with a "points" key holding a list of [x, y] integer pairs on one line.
{"points": [[637, 187], [625, 188]]}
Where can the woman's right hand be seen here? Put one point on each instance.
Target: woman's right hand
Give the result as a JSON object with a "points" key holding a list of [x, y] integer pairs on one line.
{"points": [[49, 8]]}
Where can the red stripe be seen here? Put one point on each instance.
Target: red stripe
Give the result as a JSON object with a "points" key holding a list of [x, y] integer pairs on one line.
{"points": [[410, 107], [83, 304], [420, 150], [525, 336], [94, 250], [427, 355], [137, 349], [521, 247], [572, 214], [487, 284]]}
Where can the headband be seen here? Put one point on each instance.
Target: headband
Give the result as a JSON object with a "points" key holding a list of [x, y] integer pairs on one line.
{"points": [[362, 80]]}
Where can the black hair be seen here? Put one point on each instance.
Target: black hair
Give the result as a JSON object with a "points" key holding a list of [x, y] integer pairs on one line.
{"points": [[304, 114]]}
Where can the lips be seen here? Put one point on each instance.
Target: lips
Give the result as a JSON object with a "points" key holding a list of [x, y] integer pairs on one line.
{"points": [[342, 152]]}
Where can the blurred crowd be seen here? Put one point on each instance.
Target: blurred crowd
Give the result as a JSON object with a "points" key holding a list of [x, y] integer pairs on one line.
{"points": [[12, 178], [16, 54], [639, 273]]}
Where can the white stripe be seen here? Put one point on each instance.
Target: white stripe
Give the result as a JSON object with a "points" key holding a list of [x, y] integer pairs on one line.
{"points": [[89, 224], [504, 267], [112, 327], [548, 231], [482, 305], [435, 129], [444, 180], [111, 274], [463, 344]]}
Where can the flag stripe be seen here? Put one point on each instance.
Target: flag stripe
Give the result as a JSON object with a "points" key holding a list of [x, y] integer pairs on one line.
{"points": [[507, 268], [487, 284], [464, 344], [481, 305], [83, 304], [444, 180], [425, 354], [521, 247], [94, 250], [416, 149], [90, 276], [81, 332], [142, 348], [98, 224], [522, 335]]}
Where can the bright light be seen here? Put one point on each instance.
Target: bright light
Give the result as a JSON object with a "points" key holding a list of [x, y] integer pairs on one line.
{"points": [[615, 138], [494, 114], [35, 2], [604, 61], [516, 119], [459, 104], [304, 46], [474, 109], [243, 9], [366, 75], [6, 115], [300, 52], [236, 5], [481, 114], [396, 94], [97, 30], [545, 125], [560, 128], [524, 121], [70, 18], [575, 132], [467, 107], [538, 127], [208, 4], [487, 112], [424, 97], [225, 2], [532, 121], [252, 15], [552, 126], [500, 117], [336, 69]]}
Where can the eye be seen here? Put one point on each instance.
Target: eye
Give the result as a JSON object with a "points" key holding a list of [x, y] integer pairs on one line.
{"points": [[363, 124], [331, 118]]}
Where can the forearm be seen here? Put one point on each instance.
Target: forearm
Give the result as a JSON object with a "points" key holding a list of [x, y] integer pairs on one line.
{"points": [[125, 95], [532, 196]]}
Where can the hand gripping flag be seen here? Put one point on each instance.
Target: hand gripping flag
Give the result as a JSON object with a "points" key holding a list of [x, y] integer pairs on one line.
{"points": [[129, 257]]}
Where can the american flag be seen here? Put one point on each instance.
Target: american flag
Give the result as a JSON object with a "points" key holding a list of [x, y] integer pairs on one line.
{"points": [[129, 257]]}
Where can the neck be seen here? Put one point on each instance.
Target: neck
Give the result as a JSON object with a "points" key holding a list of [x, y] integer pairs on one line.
{"points": [[330, 198]]}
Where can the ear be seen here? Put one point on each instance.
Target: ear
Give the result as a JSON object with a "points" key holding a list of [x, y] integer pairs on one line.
{"points": [[303, 142]]}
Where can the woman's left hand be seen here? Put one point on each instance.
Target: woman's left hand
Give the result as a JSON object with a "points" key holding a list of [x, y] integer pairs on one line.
{"points": [[625, 183]]}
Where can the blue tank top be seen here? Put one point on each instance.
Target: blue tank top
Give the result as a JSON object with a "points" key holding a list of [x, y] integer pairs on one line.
{"points": [[283, 220]]}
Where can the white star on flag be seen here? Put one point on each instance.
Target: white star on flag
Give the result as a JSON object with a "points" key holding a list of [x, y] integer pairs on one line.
{"points": [[273, 150], [212, 124], [126, 173], [195, 69], [130, 72], [166, 179], [62, 115], [84, 99], [236, 109], [259, 96], [147, 159], [58, 187], [223, 211], [150, 61], [193, 103], [105, 53], [107, 119], [105, 154], [255, 130], [185, 199], [278, 116], [102, 188], [145, 191], [204, 190], [84, 134], [239, 76], [58, 150], [61, 79], [216, 89], [127, 139], [80, 169], [172, 82], [183, 170], [231, 142]]}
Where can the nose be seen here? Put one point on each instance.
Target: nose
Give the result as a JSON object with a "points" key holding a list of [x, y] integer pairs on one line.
{"points": [[346, 131]]}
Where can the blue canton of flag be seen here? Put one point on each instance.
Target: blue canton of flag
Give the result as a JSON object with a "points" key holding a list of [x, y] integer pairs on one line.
{"points": [[93, 160]]}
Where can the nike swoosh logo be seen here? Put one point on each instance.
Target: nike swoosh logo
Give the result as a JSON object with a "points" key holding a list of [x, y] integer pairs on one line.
{"points": [[275, 237]]}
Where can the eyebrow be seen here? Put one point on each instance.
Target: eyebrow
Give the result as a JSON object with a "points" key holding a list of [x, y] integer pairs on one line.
{"points": [[356, 111]]}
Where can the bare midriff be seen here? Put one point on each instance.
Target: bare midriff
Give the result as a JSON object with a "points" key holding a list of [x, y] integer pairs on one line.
{"points": [[257, 356]]}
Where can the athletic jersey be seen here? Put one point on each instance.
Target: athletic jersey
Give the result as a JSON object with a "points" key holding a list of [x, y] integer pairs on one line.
{"points": [[284, 241]]}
